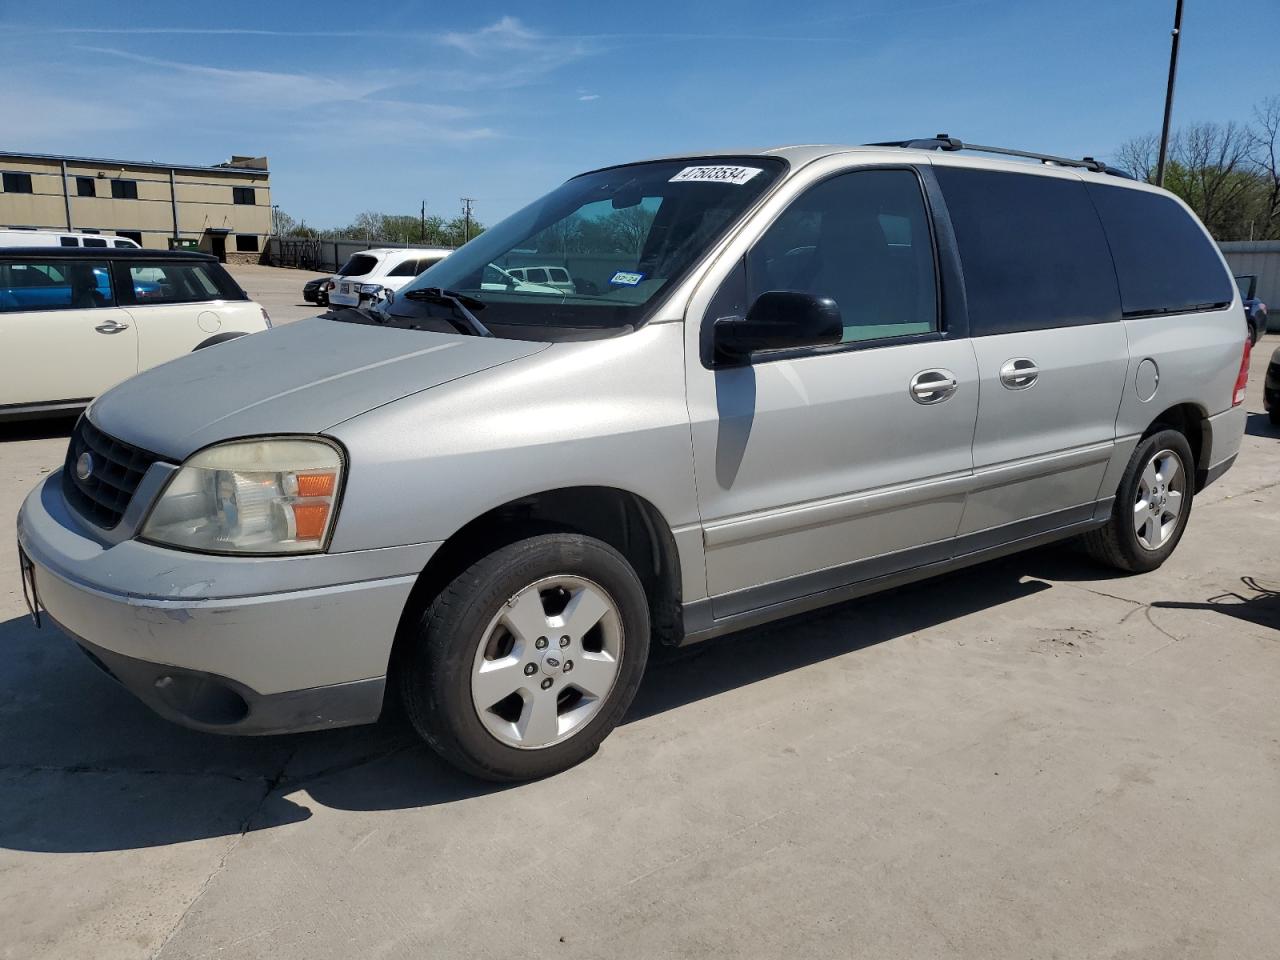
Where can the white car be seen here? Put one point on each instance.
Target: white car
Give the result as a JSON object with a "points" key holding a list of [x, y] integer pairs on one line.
{"points": [[63, 238], [557, 277], [367, 275], [74, 322]]}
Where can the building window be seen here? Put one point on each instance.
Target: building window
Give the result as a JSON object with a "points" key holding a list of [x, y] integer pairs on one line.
{"points": [[124, 189], [17, 183], [245, 195], [247, 242], [134, 235], [85, 187]]}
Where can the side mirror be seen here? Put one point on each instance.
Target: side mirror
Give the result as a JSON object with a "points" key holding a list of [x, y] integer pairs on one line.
{"points": [[777, 320]]}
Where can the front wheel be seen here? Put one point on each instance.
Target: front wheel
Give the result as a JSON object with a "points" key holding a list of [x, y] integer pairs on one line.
{"points": [[1152, 506], [527, 660]]}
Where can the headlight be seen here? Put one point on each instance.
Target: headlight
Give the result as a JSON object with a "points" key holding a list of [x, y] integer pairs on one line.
{"points": [[251, 496]]}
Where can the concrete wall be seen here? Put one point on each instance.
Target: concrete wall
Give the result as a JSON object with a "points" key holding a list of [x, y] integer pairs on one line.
{"points": [[204, 201], [1262, 259]]}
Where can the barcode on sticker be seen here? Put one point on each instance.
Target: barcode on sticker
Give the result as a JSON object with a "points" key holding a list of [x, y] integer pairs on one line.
{"points": [[716, 174]]}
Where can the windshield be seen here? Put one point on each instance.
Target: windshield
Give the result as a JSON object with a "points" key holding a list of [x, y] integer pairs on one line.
{"points": [[596, 253]]}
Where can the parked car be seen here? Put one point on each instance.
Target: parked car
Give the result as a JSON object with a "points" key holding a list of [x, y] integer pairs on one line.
{"points": [[63, 238], [369, 274], [74, 322], [492, 500], [317, 291], [1255, 311], [557, 277], [1271, 389]]}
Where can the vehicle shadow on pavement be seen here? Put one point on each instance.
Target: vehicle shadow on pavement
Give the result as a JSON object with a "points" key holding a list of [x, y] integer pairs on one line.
{"points": [[1261, 606], [1259, 425], [48, 428], [86, 767]]}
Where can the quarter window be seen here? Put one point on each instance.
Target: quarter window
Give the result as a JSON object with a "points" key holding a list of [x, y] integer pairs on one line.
{"points": [[1164, 260], [86, 187], [1033, 251], [862, 239], [124, 189], [62, 285], [358, 266], [244, 195], [173, 282], [16, 182]]}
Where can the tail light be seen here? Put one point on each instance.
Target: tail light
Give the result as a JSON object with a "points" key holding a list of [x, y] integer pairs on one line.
{"points": [[1242, 379], [266, 317]]}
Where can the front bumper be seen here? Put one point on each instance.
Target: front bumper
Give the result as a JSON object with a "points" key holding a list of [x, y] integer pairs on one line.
{"points": [[230, 644]]}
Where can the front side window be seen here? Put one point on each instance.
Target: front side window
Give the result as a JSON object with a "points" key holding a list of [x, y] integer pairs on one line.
{"points": [[16, 182], [1033, 251], [86, 187], [175, 282], [54, 285], [624, 236], [1165, 261], [862, 239], [406, 268], [124, 189]]}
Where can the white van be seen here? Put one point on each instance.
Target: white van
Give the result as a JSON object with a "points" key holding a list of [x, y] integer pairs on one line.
{"points": [[366, 275], [557, 277], [63, 238]]}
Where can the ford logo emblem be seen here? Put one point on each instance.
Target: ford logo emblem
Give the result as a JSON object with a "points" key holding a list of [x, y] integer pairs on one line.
{"points": [[84, 466]]}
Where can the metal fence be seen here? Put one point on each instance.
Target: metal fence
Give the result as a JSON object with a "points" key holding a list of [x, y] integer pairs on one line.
{"points": [[1262, 259], [324, 256]]}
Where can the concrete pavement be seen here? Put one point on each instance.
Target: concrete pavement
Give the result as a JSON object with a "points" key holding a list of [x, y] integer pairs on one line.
{"points": [[1030, 758]]}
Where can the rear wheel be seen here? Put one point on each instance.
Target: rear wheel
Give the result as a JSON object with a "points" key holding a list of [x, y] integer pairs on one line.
{"points": [[523, 664], [1151, 508]]}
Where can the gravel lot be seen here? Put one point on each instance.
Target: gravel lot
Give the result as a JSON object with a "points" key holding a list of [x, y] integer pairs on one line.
{"points": [[1028, 759]]}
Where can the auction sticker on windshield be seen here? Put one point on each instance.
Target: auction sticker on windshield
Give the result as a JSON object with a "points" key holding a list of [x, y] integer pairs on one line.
{"points": [[626, 279], [716, 174]]}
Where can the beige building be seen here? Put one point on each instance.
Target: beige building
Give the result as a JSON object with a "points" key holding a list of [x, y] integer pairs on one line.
{"points": [[223, 209]]}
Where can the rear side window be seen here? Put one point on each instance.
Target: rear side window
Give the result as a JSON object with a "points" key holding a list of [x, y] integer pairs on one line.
{"points": [[94, 242], [60, 285], [536, 275], [558, 275], [1033, 251], [408, 268], [1165, 261], [179, 282], [359, 265], [68, 242]]}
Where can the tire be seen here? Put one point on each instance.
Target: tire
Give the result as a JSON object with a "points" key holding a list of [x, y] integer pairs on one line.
{"points": [[1253, 333], [1120, 543], [1274, 414], [498, 612]]}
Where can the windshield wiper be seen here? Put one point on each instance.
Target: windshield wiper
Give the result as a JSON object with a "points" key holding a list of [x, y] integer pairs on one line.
{"points": [[459, 302]]}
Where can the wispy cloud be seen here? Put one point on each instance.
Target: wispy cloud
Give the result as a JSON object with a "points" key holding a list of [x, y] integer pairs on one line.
{"points": [[589, 96]]}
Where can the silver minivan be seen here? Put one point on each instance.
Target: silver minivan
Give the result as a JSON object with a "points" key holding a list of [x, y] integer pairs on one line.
{"points": [[785, 379]]}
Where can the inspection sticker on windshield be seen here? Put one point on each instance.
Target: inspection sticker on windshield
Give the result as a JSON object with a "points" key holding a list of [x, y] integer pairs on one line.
{"points": [[624, 279], [718, 174]]}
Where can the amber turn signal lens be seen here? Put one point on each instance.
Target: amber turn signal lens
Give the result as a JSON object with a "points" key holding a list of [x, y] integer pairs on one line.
{"points": [[316, 484], [309, 520]]}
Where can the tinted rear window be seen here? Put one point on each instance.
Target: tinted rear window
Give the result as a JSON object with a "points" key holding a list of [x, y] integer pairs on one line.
{"points": [[1033, 250], [1165, 262], [159, 282], [359, 265]]}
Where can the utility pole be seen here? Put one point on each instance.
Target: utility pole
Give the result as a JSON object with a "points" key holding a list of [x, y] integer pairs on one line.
{"points": [[466, 216], [1168, 96], [422, 232]]}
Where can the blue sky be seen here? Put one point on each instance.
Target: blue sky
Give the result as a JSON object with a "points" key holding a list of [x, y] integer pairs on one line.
{"points": [[376, 106]]}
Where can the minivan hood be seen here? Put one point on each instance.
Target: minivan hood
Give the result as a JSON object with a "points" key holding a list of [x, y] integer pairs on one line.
{"points": [[301, 378]]}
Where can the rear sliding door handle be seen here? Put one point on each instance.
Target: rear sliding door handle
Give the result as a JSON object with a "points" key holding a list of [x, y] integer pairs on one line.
{"points": [[933, 386], [1019, 373]]}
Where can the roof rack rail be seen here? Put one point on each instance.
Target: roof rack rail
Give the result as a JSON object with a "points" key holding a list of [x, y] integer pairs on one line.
{"points": [[949, 143]]}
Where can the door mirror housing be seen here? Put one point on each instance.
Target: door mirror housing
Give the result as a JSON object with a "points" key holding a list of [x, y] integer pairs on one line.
{"points": [[779, 319]]}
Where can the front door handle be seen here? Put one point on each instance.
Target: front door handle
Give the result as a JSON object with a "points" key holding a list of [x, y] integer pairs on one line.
{"points": [[111, 326], [1019, 373], [933, 386]]}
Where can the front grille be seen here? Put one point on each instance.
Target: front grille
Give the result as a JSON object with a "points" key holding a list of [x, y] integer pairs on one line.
{"points": [[117, 470]]}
